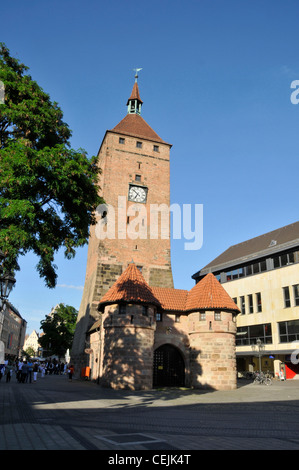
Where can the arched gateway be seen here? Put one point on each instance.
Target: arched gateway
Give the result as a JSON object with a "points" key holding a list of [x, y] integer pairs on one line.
{"points": [[169, 367]]}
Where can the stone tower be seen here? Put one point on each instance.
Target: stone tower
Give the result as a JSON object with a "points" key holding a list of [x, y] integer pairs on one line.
{"points": [[212, 331], [135, 178], [128, 329]]}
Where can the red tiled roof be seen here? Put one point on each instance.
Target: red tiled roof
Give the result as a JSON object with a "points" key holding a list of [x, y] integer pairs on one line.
{"points": [[130, 287], [135, 125], [209, 294], [171, 299]]}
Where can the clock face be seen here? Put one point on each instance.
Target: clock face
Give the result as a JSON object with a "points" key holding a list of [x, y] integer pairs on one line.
{"points": [[137, 194]]}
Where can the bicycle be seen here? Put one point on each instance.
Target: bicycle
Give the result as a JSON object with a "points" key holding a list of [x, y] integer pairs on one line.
{"points": [[262, 379]]}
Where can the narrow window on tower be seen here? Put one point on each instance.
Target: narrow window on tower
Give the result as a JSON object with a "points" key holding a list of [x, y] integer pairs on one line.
{"points": [[139, 144], [122, 308], [156, 148], [121, 140], [137, 177], [144, 311]]}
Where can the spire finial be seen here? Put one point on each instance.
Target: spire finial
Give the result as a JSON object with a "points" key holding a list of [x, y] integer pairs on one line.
{"points": [[136, 73]]}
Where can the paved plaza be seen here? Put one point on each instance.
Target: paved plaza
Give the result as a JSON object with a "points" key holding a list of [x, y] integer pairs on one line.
{"points": [[55, 414]]}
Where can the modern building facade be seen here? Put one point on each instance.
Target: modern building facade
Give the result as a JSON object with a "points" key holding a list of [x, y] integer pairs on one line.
{"points": [[262, 277]]}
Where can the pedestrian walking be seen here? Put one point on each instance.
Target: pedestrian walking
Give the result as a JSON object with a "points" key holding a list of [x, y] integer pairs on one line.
{"points": [[19, 371], [8, 372], [2, 370], [30, 369], [35, 371], [70, 372], [24, 373]]}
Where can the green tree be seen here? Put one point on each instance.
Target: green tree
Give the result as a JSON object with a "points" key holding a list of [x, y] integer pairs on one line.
{"points": [[48, 191], [29, 352], [58, 328]]}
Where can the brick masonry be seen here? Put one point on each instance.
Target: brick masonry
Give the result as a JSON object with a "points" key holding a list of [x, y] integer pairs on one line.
{"points": [[108, 258]]}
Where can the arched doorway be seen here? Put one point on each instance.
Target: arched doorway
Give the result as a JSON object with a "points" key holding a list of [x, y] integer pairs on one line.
{"points": [[169, 367]]}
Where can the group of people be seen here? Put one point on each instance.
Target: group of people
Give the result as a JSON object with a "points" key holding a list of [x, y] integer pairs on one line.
{"points": [[26, 371]]}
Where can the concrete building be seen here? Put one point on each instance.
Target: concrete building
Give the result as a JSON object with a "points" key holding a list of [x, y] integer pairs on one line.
{"points": [[262, 277]]}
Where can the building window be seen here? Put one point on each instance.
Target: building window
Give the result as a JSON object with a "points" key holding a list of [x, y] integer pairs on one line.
{"points": [[250, 303], [9, 341], [283, 260], [288, 331], [137, 177], [242, 304], [156, 148], [202, 316], [139, 267], [258, 301], [122, 309], [177, 318], [144, 311], [247, 335], [139, 145], [121, 140], [158, 316], [286, 296], [217, 316], [296, 294]]}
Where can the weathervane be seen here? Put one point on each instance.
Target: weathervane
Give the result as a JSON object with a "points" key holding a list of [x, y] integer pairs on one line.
{"points": [[136, 73]]}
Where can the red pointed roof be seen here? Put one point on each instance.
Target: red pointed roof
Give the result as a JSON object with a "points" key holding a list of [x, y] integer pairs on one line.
{"points": [[135, 95], [130, 287], [134, 125], [209, 294]]}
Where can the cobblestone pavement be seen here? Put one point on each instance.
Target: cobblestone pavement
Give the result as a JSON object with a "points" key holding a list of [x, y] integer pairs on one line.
{"points": [[55, 414]]}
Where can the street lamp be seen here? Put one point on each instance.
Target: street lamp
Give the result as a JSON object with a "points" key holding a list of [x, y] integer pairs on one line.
{"points": [[260, 347], [7, 281]]}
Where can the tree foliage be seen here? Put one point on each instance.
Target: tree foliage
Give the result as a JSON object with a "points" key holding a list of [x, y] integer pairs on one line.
{"points": [[58, 328], [48, 191]]}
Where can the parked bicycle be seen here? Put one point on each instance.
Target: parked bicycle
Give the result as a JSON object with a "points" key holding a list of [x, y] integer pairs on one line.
{"points": [[262, 379]]}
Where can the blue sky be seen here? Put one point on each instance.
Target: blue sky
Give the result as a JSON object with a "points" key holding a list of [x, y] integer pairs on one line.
{"points": [[215, 84]]}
